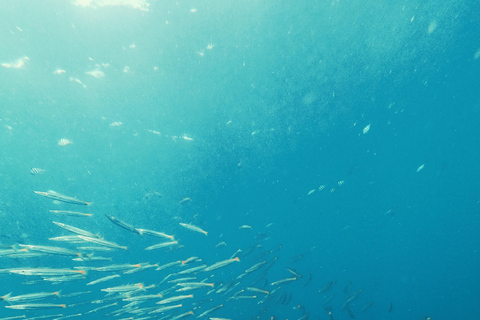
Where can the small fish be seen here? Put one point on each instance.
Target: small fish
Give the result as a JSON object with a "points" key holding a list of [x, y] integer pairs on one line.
{"points": [[282, 281], [221, 244], [154, 233], [256, 266], [152, 195], [103, 242], [36, 306], [35, 171], [185, 200], [163, 309], [122, 224], [193, 228], [174, 299], [296, 274], [102, 279], [64, 142], [221, 264], [210, 311], [30, 296], [60, 197], [124, 288], [162, 245], [327, 287], [71, 213], [75, 230]]}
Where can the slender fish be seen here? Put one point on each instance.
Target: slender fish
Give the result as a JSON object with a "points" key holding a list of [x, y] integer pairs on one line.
{"points": [[60, 197], [193, 228]]}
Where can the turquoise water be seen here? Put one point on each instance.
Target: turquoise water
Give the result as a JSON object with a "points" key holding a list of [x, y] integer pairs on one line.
{"points": [[344, 135]]}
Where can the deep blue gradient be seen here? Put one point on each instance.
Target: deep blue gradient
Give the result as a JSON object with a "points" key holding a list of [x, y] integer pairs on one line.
{"points": [[276, 107]]}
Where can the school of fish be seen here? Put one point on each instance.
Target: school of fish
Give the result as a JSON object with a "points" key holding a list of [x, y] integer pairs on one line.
{"points": [[171, 289]]}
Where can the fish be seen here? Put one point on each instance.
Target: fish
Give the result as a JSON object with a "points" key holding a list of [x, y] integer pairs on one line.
{"points": [[183, 315], [71, 213], [296, 274], [75, 230], [189, 260], [70, 239], [64, 142], [366, 129], [143, 297], [182, 280], [36, 306], [152, 195], [210, 311], [103, 279], [350, 312], [193, 228], [122, 224], [256, 266], [195, 284], [59, 197], [118, 267], [124, 288], [35, 171], [154, 233], [29, 297], [185, 200], [283, 281], [221, 264], [192, 270], [46, 272], [168, 265], [102, 307], [162, 245], [174, 299], [94, 248], [353, 296], [52, 250], [103, 242], [221, 244], [327, 287], [367, 306], [257, 290], [163, 309]]}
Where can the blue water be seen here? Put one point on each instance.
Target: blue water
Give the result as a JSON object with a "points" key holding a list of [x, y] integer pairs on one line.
{"points": [[245, 107]]}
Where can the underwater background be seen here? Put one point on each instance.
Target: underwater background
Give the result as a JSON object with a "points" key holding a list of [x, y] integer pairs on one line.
{"points": [[339, 139]]}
